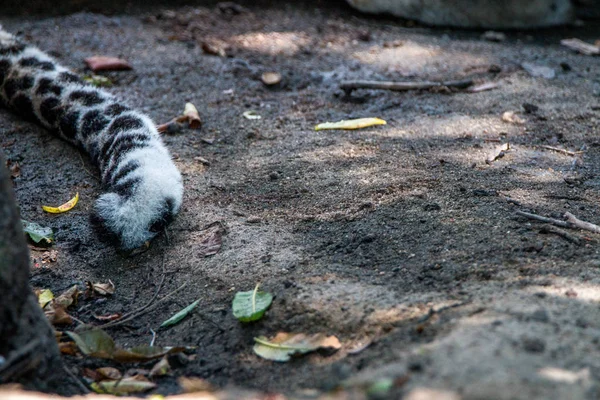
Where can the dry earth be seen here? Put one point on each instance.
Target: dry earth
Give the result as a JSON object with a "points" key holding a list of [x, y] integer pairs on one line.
{"points": [[399, 236]]}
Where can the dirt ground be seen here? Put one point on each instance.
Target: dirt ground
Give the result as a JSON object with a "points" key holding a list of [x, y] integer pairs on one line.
{"points": [[401, 239]]}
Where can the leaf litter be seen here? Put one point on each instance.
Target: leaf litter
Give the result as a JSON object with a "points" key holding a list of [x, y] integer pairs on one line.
{"points": [[252, 305], [285, 345]]}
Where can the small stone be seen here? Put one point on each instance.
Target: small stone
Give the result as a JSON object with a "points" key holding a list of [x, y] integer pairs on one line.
{"points": [[533, 344], [274, 176], [253, 220], [540, 315], [530, 108], [493, 36]]}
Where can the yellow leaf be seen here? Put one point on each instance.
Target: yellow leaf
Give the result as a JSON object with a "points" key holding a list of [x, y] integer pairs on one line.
{"points": [[44, 297], [351, 124], [62, 208]]}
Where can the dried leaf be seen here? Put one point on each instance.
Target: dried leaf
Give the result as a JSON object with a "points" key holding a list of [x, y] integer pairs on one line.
{"points": [[145, 353], [351, 124], [161, 368], [498, 152], [68, 297], [171, 127], [271, 78], [14, 168], [64, 207], [44, 297], [191, 114], [250, 114], [180, 315], [56, 314], [38, 233], [284, 345], [251, 306], [104, 63], [97, 343], [94, 342], [68, 348], [210, 239], [109, 373], [106, 318], [133, 384], [581, 46], [103, 289], [193, 384]]}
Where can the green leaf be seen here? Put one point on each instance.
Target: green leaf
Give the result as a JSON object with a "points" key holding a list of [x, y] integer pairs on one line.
{"points": [[251, 306], [38, 233], [94, 343], [180, 315], [284, 345], [98, 80]]}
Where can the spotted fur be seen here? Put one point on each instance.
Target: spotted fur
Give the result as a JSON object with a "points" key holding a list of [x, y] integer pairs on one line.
{"points": [[143, 188]]}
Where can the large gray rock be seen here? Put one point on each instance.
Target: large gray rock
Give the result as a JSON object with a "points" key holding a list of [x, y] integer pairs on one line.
{"points": [[475, 13]]}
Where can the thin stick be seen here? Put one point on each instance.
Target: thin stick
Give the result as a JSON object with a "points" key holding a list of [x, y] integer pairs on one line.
{"points": [[576, 222], [349, 86], [556, 222], [126, 317], [563, 151], [559, 232], [143, 310], [75, 379]]}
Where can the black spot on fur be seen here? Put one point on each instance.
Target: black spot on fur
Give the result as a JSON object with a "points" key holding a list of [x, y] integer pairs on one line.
{"points": [[118, 172], [12, 49], [126, 188], [67, 125], [50, 109], [166, 216], [34, 62], [92, 123], [46, 86], [13, 85], [116, 148], [88, 99], [69, 77], [24, 106], [125, 122], [4, 68], [115, 109]]}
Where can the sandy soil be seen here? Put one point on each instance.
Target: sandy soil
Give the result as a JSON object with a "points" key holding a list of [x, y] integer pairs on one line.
{"points": [[401, 236]]}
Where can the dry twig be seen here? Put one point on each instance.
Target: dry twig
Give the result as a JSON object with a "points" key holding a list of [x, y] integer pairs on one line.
{"points": [[576, 222], [563, 151], [556, 222], [349, 86], [559, 232]]}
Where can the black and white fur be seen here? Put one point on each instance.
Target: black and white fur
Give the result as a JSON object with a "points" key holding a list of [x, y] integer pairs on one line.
{"points": [[143, 188]]}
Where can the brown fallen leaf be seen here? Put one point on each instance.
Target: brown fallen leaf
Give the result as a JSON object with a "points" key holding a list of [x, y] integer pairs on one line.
{"points": [[105, 63], [161, 368], [49, 256], [68, 297], [107, 318], [14, 168], [193, 384], [103, 289], [171, 127], [191, 116], [271, 78], [68, 348], [56, 314], [210, 239]]}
